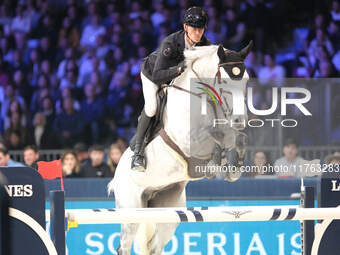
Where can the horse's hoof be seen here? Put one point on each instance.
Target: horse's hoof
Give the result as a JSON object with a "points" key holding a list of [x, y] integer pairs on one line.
{"points": [[138, 163], [138, 168], [119, 251]]}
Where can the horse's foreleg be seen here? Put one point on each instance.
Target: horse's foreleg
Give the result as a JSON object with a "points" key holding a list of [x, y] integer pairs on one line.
{"points": [[235, 158], [127, 235], [173, 197], [240, 146]]}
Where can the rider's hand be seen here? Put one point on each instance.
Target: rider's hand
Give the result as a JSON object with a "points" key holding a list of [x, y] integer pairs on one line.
{"points": [[181, 67]]}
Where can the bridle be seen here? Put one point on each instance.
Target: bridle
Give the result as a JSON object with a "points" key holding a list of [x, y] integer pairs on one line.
{"points": [[227, 110]]}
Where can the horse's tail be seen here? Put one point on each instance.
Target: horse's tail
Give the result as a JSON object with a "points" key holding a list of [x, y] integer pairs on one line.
{"points": [[110, 187]]}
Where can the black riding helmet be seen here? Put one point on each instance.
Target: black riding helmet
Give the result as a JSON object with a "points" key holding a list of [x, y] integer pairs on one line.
{"points": [[196, 17]]}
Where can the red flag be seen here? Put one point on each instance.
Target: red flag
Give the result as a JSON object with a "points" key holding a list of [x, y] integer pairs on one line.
{"points": [[51, 170]]}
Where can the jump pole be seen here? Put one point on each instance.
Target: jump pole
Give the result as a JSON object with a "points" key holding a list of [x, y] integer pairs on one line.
{"points": [[175, 215]]}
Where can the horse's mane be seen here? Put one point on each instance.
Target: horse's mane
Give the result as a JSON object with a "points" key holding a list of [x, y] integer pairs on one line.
{"points": [[199, 52]]}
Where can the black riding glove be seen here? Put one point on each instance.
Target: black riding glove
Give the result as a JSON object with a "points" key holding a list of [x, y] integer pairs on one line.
{"points": [[181, 67]]}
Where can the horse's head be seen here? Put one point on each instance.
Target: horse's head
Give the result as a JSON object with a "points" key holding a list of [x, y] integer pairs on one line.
{"points": [[224, 73]]}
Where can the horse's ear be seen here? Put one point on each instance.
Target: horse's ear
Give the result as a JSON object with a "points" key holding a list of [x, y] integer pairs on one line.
{"points": [[220, 53], [245, 51]]}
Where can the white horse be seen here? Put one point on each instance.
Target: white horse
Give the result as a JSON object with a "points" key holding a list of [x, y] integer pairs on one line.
{"points": [[167, 173]]}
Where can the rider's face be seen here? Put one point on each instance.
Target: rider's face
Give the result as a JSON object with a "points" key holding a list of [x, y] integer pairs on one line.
{"points": [[194, 33]]}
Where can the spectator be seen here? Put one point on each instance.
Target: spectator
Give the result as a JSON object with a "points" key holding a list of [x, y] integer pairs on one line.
{"points": [[31, 156], [7, 49], [115, 153], [34, 66], [333, 159], [16, 134], [236, 30], [333, 166], [92, 108], [41, 92], [335, 11], [334, 34], [48, 111], [101, 47], [290, 161], [46, 69], [4, 72], [91, 32], [47, 28], [261, 163], [216, 31], [321, 39], [336, 61], [73, 14], [252, 64], [15, 108], [21, 22], [81, 151], [325, 70], [69, 124], [117, 95], [90, 65], [92, 10], [65, 93], [157, 17], [20, 42], [47, 48], [270, 70], [69, 32], [22, 86], [5, 19], [5, 159], [70, 164], [71, 76], [17, 61], [70, 53], [14, 139], [96, 167], [41, 134], [33, 13]]}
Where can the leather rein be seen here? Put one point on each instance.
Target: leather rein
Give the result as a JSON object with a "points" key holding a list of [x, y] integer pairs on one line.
{"points": [[218, 76]]}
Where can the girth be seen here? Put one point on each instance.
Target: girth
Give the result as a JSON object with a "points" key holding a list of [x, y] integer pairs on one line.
{"points": [[190, 161]]}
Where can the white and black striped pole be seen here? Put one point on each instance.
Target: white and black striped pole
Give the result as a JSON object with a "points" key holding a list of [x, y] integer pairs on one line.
{"points": [[177, 215]]}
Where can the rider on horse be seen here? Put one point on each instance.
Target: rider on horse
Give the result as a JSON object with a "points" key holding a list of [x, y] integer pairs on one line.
{"points": [[162, 66]]}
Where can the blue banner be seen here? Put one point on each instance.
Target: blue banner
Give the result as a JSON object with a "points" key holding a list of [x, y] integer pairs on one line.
{"points": [[233, 238]]}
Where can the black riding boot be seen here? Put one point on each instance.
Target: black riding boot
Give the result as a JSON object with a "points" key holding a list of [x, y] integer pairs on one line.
{"points": [[138, 161]]}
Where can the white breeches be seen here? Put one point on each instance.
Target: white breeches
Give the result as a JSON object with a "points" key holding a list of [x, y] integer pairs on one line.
{"points": [[149, 92]]}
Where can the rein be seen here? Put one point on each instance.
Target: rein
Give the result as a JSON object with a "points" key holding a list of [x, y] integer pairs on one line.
{"points": [[227, 112]]}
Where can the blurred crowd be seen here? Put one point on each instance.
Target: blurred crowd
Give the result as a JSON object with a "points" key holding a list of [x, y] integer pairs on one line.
{"points": [[80, 161], [69, 69]]}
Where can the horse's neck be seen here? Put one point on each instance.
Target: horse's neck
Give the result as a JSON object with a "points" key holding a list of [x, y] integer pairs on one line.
{"points": [[176, 116]]}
